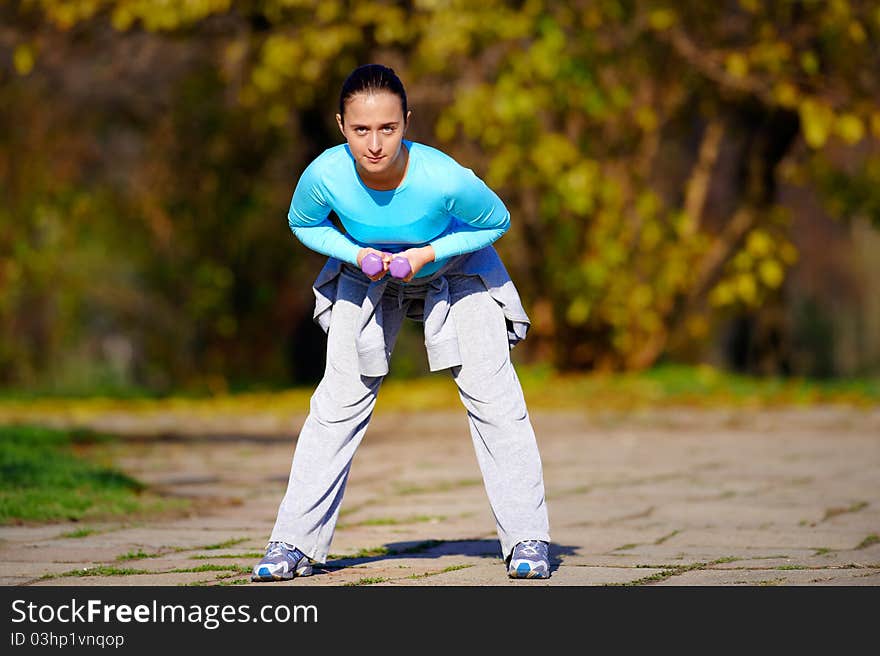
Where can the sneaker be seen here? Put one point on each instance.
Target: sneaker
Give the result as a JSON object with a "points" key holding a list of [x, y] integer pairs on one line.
{"points": [[281, 563], [529, 560]]}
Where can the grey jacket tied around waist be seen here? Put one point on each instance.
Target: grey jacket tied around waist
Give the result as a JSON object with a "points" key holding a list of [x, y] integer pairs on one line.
{"points": [[480, 270]]}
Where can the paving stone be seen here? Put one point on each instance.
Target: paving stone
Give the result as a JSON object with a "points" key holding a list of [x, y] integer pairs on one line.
{"points": [[635, 497], [175, 579], [846, 577]]}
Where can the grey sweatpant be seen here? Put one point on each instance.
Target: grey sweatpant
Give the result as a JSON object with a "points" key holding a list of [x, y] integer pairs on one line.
{"points": [[342, 405]]}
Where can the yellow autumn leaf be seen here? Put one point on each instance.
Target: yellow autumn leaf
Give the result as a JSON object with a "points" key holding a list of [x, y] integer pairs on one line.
{"points": [[122, 18], [649, 321], [721, 295], [662, 19], [759, 243], [646, 118], [786, 94], [23, 59], [771, 273], [737, 64], [857, 32], [809, 62], [816, 121], [742, 261], [578, 311], [641, 297], [850, 128], [746, 288]]}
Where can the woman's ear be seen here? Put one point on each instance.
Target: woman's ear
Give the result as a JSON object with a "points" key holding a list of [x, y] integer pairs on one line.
{"points": [[339, 123], [406, 120]]}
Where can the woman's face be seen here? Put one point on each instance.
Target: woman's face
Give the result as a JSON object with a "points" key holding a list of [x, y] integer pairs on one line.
{"points": [[374, 126]]}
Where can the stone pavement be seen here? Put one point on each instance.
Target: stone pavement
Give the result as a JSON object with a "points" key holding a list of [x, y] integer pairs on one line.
{"points": [[660, 497]]}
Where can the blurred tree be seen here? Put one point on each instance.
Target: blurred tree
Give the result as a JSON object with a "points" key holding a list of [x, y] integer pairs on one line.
{"points": [[639, 144], [588, 111]]}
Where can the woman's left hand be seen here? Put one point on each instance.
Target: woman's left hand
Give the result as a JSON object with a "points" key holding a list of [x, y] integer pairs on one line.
{"points": [[417, 257]]}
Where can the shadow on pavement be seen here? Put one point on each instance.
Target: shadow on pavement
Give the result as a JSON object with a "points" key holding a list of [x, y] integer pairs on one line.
{"points": [[436, 549]]}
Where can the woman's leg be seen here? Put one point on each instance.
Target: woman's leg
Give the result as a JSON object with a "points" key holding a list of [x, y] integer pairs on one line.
{"points": [[499, 422], [340, 411]]}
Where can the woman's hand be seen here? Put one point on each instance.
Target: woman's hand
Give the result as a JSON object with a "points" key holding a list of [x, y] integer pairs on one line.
{"points": [[418, 257], [386, 260]]}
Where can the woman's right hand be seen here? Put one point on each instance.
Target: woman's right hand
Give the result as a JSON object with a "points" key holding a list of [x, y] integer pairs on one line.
{"points": [[386, 260]]}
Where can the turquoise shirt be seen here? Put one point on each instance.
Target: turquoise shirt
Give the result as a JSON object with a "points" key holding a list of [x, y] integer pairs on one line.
{"points": [[439, 202]]}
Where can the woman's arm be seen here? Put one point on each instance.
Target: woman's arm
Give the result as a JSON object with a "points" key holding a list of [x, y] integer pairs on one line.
{"points": [[309, 222], [480, 217]]}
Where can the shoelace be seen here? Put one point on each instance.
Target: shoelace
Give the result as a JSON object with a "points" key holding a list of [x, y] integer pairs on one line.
{"points": [[278, 549], [530, 547]]}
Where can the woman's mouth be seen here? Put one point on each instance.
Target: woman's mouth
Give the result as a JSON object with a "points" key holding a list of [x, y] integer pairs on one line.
{"points": [[375, 160]]}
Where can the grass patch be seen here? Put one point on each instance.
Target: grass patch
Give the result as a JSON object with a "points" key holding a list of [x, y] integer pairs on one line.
{"points": [[422, 576], [663, 539], [868, 541], [673, 570], [254, 554], [370, 580], [454, 568], [451, 568], [361, 553], [212, 568], [102, 570], [770, 557], [770, 582], [47, 476], [653, 578], [661, 387], [834, 512], [444, 486], [79, 533], [725, 559], [137, 555], [234, 581], [224, 545], [391, 521]]}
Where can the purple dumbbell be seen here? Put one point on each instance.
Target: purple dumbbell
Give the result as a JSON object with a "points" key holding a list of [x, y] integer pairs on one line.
{"points": [[400, 267], [371, 264]]}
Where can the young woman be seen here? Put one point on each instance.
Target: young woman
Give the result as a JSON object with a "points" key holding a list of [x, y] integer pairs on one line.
{"points": [[396, 197]]}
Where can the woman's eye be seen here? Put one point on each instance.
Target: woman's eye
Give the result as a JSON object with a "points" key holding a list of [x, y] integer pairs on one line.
{"points": [[387, 130], [360, 130]]}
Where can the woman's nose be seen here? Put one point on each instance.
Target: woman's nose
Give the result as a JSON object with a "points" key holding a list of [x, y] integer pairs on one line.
{"points": [[374, 142]]}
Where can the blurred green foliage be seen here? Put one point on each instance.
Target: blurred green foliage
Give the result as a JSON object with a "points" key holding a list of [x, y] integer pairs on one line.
{"points": [[148, 152]]}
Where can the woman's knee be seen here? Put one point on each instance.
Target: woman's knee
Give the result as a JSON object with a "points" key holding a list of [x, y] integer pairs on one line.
{"points": [[344, 398]]}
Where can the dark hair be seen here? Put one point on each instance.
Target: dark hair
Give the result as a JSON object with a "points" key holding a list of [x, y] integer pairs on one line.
{"points": [[369, 79]]}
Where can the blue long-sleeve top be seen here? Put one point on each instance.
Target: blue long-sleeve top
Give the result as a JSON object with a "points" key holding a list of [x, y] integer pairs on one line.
{"points": [[439, 202]]}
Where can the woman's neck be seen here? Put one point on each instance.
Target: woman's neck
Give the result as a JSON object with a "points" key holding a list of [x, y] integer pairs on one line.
{"points": [[393, 178]]}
